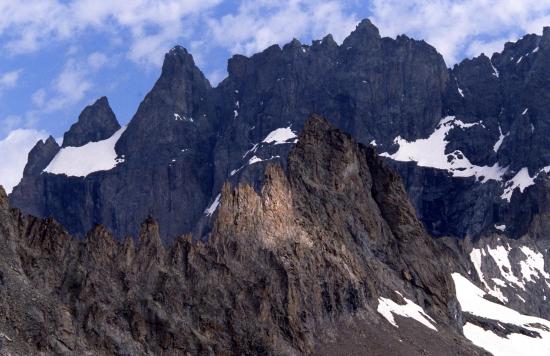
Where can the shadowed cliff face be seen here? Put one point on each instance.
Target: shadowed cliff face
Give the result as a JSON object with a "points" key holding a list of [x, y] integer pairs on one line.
{"points": [[283, 271], [186, 138]]}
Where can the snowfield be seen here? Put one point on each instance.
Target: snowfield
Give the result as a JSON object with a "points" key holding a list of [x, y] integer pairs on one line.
{"points": [[471, 301], [84, 160]]}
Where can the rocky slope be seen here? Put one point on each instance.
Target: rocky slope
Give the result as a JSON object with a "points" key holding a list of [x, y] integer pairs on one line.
{"points": [[325, 257]]}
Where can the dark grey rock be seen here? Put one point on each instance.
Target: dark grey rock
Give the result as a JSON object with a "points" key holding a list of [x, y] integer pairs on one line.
{"points": [[40, 156], [96, 122]]}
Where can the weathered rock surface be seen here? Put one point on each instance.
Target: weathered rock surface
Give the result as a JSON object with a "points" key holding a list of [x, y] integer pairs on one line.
{"points": [[284, 270], [40, 156], [96, 122]]}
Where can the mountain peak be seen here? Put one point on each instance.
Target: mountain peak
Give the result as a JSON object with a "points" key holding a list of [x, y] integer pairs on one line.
{"points": [[364, 33], [96, 122], [40, 156], [177, 62]]}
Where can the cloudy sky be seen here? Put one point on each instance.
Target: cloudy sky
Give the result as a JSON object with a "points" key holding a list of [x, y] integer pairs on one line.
{"points": [[57, 56]]}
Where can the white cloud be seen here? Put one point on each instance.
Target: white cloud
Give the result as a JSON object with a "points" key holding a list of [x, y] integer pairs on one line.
{"points": [[216, 76], [9, 79], [456, 28], [70, 87], [9, 123], [39, 97], [259, 24], [488, 47], [72, 83], [97, 60], [15, 148], [38, 23]]}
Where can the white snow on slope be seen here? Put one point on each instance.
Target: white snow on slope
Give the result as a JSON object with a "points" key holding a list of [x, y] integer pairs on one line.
{"points": [[179, 117], [500, 139], [500, 227], [476, 258], [521, 180], [495, 71], [280, 136], [500, 256], [519, 60], [533, 266], [535, 50], [212, 208], [430, 152], [471, 300], [460, 92], [84, 160], [254, 159], [525, 111], [388, 307]]}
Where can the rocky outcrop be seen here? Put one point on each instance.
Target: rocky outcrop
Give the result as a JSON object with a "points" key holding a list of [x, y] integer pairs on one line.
{"points": [[40, 156], [96, 122], [283, 271]]}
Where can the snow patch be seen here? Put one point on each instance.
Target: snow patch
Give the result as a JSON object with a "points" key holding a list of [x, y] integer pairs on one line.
{"points": [[179, 117], [495, 71], [500, 255], [253, 160], [471, 300], [519, 60], [84, 160], [253, 150], [373, 143], [212, 208], [280, 136], [501, 138], [525, 111], [460, 91], [430, 152], [475, 257], [535, 50], [521, 180], [533, 265], [388, 307], [500, 227]]}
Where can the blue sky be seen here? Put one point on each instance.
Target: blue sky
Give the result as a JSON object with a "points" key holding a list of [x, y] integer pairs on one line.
{"points": [[57, 56]]}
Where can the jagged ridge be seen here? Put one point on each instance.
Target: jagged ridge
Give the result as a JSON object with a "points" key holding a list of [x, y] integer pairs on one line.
{"points": [[281, 270]]}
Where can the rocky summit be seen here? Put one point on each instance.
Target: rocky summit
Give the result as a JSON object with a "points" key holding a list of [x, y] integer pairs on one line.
{"points": [[232, 220]]}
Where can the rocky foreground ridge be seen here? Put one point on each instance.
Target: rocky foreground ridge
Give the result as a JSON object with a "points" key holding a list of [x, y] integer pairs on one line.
{"points": [[303, 266]]}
